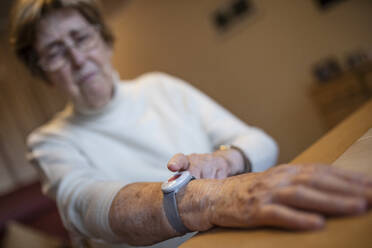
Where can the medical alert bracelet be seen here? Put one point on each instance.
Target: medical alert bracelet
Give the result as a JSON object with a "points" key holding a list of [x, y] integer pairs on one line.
{"points": [[247, 163]]}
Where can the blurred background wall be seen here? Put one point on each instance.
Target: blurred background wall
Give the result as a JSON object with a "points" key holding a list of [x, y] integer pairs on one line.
{"points": [[260, 68]]}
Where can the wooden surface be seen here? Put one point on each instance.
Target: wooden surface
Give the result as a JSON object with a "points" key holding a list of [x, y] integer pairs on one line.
{"points": [[328, 148], [339, 232]]}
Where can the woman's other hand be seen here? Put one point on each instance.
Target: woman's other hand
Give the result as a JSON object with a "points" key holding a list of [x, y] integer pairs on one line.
{"points": [[218, 165], [290, 196]]}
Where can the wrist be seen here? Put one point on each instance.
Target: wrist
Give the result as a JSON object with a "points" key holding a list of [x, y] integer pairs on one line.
{"points": [[233, 159], [195, 203], [237, 159]]}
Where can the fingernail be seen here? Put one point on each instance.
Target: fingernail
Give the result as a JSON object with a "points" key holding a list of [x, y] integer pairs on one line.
{"points": [[172, 166], [369, 198], [359, 206], [317, 222], [354, 206]]}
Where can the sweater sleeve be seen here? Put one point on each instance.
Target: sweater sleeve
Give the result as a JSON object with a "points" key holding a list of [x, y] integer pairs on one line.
{"points": [[83, 194], [222, 127]]}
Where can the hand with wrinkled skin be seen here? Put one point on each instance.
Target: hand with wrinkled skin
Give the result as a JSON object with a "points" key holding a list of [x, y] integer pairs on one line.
{"points": [[218, 165], [288, 196], [296, 197]]}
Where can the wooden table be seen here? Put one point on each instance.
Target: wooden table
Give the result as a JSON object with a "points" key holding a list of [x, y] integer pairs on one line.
{"points": [[339, 232]]}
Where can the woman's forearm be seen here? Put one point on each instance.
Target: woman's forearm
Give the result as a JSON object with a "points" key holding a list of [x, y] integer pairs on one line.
{"points": [[137, 215], [287, 196]]}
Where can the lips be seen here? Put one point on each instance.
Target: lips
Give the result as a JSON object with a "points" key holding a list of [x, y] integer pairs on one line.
{"points": [[86, 77]]}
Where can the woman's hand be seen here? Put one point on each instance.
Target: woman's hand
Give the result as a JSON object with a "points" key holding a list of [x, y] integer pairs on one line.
{"points": [[218, 165], [289, 196]]}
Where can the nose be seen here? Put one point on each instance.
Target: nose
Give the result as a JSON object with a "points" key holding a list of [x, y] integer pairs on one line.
{"points": [[77, 57]]}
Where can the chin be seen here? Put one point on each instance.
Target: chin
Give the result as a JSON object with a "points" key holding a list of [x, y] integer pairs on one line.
{"points": [[99, 98]]}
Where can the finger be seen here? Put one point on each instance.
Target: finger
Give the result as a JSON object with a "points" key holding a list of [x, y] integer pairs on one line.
{"points": [[281, 216], [332, 183], [336, 183], [214, 169], [320, 201], [195, 171], [352, 176], [208, 172], [221, 173], [178, 162], [345, 174]]}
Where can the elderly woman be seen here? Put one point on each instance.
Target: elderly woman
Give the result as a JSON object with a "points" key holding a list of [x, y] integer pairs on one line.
{"points": [[103, 157]]}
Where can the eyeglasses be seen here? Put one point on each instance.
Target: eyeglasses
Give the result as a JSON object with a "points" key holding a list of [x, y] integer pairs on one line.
{"points": [[57, 56]]}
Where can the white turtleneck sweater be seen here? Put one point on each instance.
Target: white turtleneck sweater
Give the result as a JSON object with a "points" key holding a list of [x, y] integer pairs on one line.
{"points": [[85, 158]]}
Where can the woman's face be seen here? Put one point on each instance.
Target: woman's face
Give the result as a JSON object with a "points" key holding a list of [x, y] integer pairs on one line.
{"points": [[86, 74]]}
